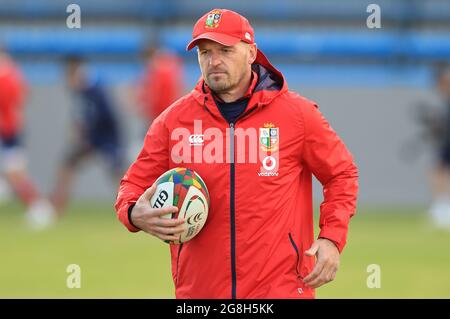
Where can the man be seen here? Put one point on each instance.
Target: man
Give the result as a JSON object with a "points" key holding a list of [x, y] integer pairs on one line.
{"points": [[440, 177], [258, 239], [162, 83], [95, 130], [40, 213]]}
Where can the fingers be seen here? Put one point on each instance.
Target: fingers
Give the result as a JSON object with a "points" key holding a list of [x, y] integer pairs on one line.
{"points": [[166, 222], [312, 251], [327, 263], [324, 271], [315, 274], [147, 195], [167, 234], [166, 229], [159, 212], [144, 201], [319, 280], [332, 275], [157, 221], [169, 230]]}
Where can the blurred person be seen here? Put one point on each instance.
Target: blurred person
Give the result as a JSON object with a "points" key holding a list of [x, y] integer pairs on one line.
{"points": [[258, 240], [95, 130], [439, 127], [40, 213], [5, 192], [162, 82]]}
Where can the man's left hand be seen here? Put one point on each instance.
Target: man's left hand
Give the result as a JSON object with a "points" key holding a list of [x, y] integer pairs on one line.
{"points": [[327, 263]]}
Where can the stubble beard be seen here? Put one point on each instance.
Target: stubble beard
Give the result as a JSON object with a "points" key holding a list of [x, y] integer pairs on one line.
{"points": [[220, 86], [225, 85]]}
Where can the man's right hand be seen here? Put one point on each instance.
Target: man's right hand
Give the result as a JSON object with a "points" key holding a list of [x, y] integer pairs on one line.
{"points": [[150, 219]]}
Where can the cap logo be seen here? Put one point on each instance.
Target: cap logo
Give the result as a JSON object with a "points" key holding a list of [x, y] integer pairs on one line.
{"points": [[248, 36], [213, 19]]}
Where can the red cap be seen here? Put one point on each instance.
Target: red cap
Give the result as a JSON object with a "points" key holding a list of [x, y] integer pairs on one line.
{"points": [[223, 26]]}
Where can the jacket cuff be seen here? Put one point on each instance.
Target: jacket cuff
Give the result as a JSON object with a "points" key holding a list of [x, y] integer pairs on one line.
{"points": [[334, 235], [126, 219]]}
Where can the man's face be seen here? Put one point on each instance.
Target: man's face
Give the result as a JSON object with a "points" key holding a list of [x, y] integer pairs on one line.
{"points": [[224, 67], [73, 76]]}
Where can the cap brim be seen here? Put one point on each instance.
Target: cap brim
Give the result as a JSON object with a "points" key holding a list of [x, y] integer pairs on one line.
{"points": [[221, 38]]}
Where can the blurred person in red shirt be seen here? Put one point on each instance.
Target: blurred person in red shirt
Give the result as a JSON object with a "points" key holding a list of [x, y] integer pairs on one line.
{"points": [[162, 82], [12, 94]]}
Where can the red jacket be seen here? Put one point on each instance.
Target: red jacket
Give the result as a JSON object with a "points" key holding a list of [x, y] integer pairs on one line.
{"points": [[261, 214], [12, 91]]}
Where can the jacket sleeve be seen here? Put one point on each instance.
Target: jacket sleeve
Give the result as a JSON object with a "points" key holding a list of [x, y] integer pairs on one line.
{"points": [[152, 161], [332, 164]]}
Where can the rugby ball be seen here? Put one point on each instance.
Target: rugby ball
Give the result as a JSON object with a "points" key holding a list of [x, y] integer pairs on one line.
{"points": [[184, 188]]}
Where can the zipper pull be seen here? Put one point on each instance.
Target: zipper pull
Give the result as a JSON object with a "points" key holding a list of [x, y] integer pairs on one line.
{"points": [[232, 143]]}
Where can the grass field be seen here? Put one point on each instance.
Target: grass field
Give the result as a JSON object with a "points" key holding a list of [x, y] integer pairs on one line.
{"points": [[414, 259]]}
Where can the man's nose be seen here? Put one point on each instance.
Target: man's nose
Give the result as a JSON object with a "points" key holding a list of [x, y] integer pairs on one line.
{"points": [[214, 59]]}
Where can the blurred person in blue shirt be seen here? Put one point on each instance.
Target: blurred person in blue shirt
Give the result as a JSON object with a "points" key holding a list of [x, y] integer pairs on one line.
{"points": [[95, 130], [440, 178]]}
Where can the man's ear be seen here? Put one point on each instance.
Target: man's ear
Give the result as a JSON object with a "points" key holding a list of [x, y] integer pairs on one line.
{"points": [[253, 49]]}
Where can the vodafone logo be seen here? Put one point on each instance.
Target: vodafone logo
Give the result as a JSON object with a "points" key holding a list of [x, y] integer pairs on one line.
{"points": [[196, 139], [269, 163]]}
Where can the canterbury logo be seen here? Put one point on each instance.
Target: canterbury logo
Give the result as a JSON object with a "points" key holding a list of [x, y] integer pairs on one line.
{"points": [[195, 139], [194, 218]]}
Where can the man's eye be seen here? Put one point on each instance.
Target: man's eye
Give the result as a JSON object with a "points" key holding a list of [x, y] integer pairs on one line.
{"points": [[226, 50]]}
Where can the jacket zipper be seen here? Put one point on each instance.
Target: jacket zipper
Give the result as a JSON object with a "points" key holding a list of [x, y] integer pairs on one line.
{"points": [[232, 214], [298, 255], [232, 199], [178, 263], [232, 205]]}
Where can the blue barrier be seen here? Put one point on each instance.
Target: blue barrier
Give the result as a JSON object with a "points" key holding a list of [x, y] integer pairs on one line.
{"points": [[83, 41], [285, 43]]}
